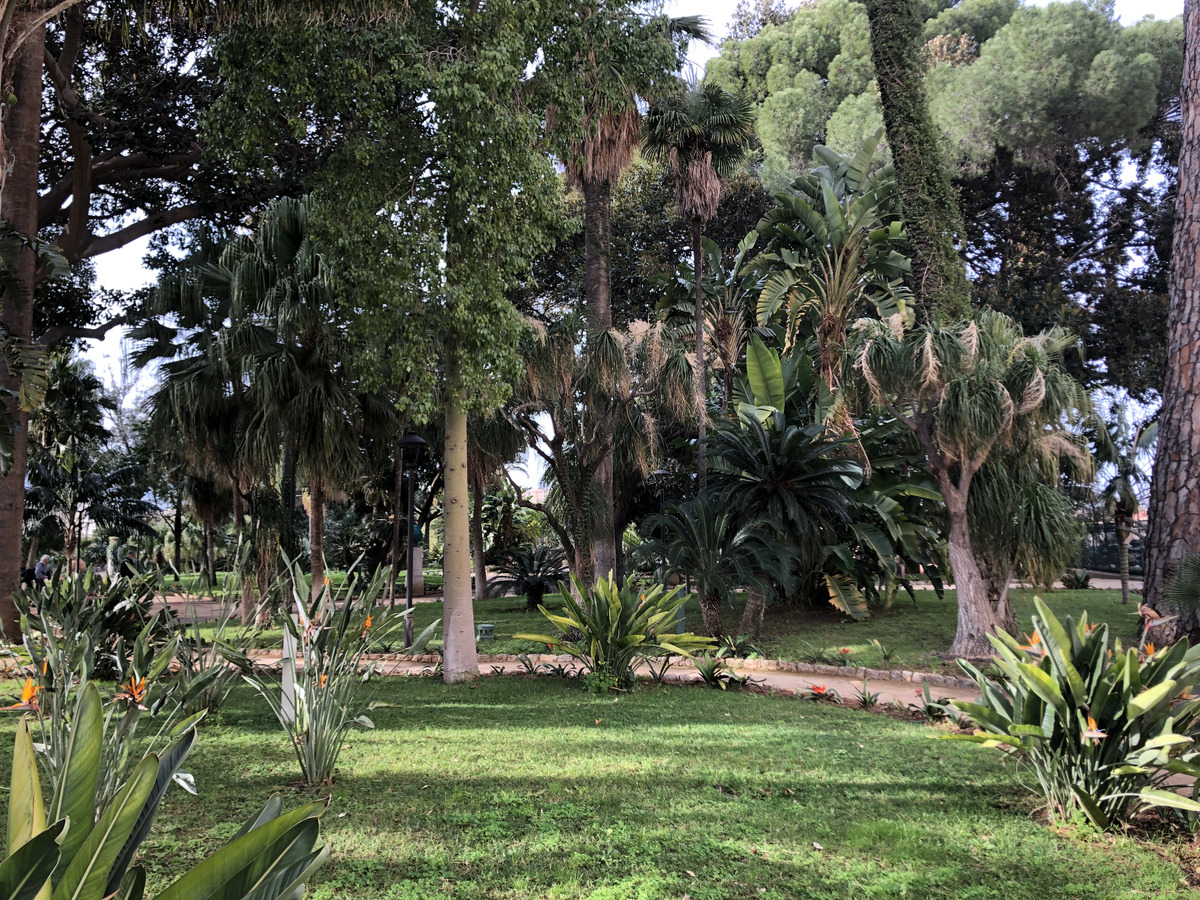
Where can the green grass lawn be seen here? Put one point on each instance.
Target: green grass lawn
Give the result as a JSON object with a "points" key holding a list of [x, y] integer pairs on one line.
{"points": [[516, 789], [916, 634], [190, 582]]}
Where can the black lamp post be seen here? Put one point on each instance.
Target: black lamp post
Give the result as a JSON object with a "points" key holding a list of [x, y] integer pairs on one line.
{"points": [[411, 446]]}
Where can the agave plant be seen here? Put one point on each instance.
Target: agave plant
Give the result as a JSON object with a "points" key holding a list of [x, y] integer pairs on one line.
{"points": [[620, 624], [1101, 728], [87, 852], [532, 571]]}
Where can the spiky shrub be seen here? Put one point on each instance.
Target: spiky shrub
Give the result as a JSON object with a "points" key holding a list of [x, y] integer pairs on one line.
{"points": [[332, 632], [90, 845], [1101, 728], [532, 571], [620, 624]]}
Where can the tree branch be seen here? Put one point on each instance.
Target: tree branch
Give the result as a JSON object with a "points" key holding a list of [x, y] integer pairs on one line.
{"points": [[56, 334]]}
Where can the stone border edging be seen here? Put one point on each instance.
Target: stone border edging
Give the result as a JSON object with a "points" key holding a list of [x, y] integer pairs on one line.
{"points": [[756, 665]]}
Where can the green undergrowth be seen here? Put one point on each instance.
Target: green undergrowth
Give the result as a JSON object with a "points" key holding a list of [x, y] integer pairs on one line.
{"points": [[521, 789], [914, 635]]}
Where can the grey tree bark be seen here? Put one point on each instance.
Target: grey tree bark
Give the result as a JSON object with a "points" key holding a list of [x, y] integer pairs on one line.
{"points": [[460, 662]]}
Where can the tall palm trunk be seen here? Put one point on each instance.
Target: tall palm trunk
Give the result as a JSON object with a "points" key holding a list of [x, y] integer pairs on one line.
{"points": [[398, 509], [177, 531], [1124, 536], [1174, 513], [21, 133], [245, 581], [701, 372], [316, 535], [710, 612], [287, 490], [210, 562], [459, 660], [598, 295]]}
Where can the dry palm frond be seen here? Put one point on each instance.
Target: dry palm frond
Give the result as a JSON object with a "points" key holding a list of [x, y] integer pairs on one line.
{"points": [[970, 339], [1035, 393], [929, 363], [697, 186], [606, 150]]}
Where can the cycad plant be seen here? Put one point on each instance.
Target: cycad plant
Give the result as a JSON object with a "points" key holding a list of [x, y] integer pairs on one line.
{"points": [[620, 624], [1102, 728], [702, 540], [532, 571]]}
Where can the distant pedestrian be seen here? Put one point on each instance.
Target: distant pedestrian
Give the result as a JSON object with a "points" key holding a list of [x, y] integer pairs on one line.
{"points": [[129, 566], [42, 570]]}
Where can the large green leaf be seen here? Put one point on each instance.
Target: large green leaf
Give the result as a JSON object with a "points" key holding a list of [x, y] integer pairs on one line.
{"points": [[75, 798], [1169, 798], [168, 764], [26, 815], [765, 373], [87, 874], [206, 880], [24, 875], [846, 597], [1150, 698]]}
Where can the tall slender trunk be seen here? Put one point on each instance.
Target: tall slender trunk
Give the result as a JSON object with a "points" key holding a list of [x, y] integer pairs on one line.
{"points": [[977, 618], [460, 661], [245, 582], [32, 555], [210, 563], [598, 296], [398, 510], [21, 133], [477, 549], [1174, 513], [287, 490], [316, 535], [177, 530], [701, 371], [1123, 558]]}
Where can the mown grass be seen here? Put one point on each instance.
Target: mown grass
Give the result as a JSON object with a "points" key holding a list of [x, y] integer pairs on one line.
{"points": [[516, 789]]}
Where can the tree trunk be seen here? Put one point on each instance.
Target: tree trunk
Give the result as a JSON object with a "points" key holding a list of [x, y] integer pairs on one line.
{"points": [[977, 617], [210, 563], [710, 612], [1174, 513], [597, 293], [930, 206], [316, 535], [752, 614], [287, 490], [245, 581], [32, 555], [177, 530], [460, 661], [477, 550], [21, 134], [399, 509], [701, 372], [1123, 558]]}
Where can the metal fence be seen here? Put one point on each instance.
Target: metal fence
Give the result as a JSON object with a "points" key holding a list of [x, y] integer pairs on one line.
{"points": [[1101, 550]]}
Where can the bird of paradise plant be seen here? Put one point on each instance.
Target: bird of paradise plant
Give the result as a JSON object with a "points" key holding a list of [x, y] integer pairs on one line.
{"points": [[1102, 731], [332, 632]]}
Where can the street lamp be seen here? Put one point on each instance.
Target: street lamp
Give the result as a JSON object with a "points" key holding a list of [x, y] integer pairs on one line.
{"points": [[410, 446]]}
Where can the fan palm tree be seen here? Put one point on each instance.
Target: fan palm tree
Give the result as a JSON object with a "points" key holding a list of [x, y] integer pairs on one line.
{"points": [[1123, 446], [966, 390], [628, 54], [703, 135]]}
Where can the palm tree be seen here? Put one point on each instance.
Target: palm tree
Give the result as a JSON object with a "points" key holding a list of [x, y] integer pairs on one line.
{"points": [[1121, 445], [966, 390], [627, 55], [702, 135]]}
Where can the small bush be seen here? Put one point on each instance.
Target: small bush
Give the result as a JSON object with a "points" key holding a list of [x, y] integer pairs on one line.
{"points": [[617, 625], [1101, 728], [1076, 579]]}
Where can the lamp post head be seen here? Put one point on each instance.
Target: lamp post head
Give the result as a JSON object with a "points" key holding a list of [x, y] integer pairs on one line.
{"points": [[411, 443]]}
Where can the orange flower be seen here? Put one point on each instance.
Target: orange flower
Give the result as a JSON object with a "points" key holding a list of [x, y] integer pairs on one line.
{"points": [[28, 696], [1149, 648], [134, 691], [1034, 645], [1093, 732], [324, 678], [845, 651], [819, 689], [367, 624]]}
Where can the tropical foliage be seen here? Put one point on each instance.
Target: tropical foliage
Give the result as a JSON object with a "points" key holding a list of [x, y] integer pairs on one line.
{"points": [[1102, 728]]}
